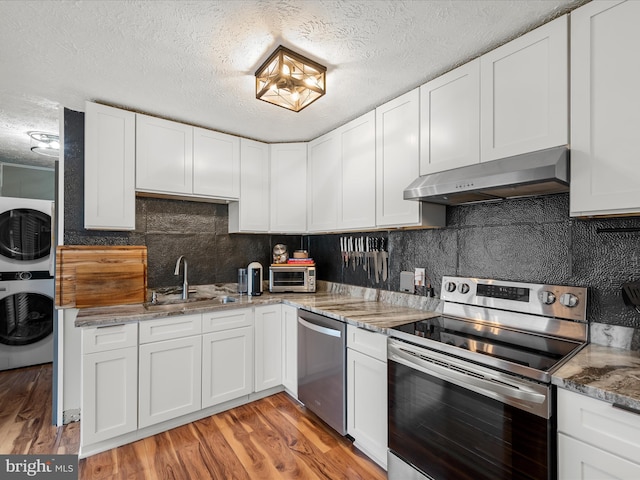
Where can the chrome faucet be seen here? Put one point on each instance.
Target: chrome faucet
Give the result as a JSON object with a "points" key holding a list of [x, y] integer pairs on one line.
{"points": [[185, 282]]}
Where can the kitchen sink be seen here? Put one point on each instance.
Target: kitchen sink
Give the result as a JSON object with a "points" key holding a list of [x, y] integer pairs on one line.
{"points": [[176, 304]]}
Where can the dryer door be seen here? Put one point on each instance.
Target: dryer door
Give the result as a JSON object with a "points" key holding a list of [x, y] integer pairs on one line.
{"points": [[25, 318], [25, 234]]}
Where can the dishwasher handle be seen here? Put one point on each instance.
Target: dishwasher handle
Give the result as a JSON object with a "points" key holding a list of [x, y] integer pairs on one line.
{"points": [[320, 329]]}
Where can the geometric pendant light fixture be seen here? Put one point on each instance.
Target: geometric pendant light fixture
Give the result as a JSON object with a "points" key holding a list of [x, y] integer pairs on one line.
{"points": [[289, 80]]}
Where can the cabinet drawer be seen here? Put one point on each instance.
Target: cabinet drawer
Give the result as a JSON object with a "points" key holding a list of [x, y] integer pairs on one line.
{"points": [[599, 423], [370, 343], [226, 320], [109, 337], [170, 327]]}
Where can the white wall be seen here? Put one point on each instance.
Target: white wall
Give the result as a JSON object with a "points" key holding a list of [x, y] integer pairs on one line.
{"points": [[27, 182]]}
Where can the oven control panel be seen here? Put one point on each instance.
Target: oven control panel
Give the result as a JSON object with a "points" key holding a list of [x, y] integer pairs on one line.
{"points": [[561, 301]]}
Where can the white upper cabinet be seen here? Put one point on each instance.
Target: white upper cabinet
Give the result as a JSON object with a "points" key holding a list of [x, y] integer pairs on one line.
{"points": [[605, 101], [323, 167], [109, 168], [357, 182], [216, 164], [398, 164], [450, 120], [251, 213], [180, 160], [524, 93], [164, 156], [342, 177], [288, 188]]}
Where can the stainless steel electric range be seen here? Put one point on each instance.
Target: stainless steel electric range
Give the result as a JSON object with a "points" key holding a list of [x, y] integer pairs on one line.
{"points": [[470, 394]]}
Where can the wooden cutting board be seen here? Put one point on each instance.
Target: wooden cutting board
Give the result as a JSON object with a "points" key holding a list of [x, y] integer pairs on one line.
{"points": [[98, 276]]}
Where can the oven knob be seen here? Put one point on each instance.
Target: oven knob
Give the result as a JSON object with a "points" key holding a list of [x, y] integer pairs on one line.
{"points": [[548, 298], [463, 287], [450, 287], [569, 300]]}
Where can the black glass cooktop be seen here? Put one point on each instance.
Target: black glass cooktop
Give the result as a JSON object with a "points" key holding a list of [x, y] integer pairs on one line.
{"points": [[522, 348]]}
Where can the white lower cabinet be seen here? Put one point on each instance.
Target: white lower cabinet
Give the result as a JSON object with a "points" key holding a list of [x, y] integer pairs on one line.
{"points": [[290, 349], [227, 356], [136, 376], [367, 392], [581, 461], [170, 379], [109, 382], [109, 391], [596, 441], [268, 347]]}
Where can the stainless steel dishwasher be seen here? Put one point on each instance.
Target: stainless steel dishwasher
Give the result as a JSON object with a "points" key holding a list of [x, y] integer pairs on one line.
{"points": [[322, 368]]}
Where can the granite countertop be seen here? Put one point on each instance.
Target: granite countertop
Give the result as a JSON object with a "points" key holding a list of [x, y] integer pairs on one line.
{"points": [[365, 310], [605, 373]]}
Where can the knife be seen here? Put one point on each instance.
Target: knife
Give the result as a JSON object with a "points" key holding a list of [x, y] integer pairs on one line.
{"points": [[365, 260], [375, 259], [353, 253], [385, 260]]}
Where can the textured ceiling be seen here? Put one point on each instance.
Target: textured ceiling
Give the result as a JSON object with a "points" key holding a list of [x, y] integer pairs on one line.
{"points": [[193, 61]]}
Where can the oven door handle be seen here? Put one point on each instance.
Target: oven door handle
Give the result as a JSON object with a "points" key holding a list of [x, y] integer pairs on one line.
{"points": [[474, 381]]}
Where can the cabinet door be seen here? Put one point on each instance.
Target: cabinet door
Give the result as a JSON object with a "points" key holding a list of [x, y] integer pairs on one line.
{"points": [[599, 424], [216, 164], [290, 349], [450, 120], [398, 164], [323, 183], [109, 168], [357, 207], [268, 342], [251, 213], [524, 93], [170, 379], [227, 365], [109, 394], [288, 188], [580, 461], [164, 155], [605, 101], [367, 404]]}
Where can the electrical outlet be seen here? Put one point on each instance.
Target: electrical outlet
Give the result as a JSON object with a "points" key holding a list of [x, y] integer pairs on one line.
{"points": [[418, 277], [406, 281]]}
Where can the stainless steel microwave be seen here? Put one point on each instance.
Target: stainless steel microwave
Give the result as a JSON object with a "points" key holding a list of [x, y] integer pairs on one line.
{"points": [[292, 278]]}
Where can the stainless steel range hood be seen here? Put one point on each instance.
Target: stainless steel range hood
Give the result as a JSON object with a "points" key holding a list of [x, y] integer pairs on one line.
{"points": [[538, 173]]}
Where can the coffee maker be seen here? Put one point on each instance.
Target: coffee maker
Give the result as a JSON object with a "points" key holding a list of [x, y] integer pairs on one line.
{"points": [[254, 279]]}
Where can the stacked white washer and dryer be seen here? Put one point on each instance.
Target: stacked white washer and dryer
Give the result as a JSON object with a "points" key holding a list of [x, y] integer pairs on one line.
{"points": [[26, 282]]}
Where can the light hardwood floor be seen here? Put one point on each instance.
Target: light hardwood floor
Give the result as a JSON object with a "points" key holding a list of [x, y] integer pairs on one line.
{"points": [[271, 438]]}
